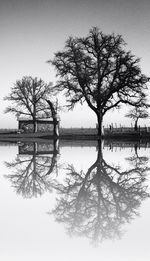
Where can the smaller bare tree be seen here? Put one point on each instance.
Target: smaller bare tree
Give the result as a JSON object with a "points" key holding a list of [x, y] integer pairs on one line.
{"points": [[28, 97], [136, 114]]}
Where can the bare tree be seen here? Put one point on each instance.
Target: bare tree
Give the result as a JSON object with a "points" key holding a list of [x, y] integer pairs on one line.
{"points": [[28, 97], [136, 114], [97, 69]]}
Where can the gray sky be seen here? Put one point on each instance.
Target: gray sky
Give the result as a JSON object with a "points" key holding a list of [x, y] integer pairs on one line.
{"points": [[33, 30]]}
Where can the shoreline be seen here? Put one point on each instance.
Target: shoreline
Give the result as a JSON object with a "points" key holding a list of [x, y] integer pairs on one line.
{"points": [[77, 134]]}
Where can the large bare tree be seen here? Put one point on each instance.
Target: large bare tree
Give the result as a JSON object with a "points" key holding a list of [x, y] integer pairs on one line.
{"points": [[98, 69], [28, 97]]}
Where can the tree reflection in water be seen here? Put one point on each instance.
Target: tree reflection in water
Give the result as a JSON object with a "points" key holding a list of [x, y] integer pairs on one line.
{"points": [[97, 204], [32, 172]]}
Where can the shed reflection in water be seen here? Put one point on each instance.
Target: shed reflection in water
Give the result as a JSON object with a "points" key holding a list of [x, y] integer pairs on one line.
{"points": [[96, 203]]}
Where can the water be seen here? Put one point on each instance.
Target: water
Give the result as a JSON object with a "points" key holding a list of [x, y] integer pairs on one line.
{"points": [[74, 201]]}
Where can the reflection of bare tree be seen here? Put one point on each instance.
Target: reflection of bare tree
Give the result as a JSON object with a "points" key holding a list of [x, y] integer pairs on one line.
{"points": [[97, 203], [30, 175], [136, 160]]}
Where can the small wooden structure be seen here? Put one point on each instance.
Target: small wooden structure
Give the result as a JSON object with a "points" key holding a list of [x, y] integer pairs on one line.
{"points": [[42, 125]]}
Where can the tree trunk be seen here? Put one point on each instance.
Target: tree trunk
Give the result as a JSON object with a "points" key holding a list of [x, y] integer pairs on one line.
{"points": [[34, 116], [55, 128], [99, 124], [99, 151], [54, 116], [34, 125], [135, 125]]}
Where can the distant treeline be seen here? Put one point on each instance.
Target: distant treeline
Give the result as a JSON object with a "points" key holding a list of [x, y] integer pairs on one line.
{"points": [[8, 130]]}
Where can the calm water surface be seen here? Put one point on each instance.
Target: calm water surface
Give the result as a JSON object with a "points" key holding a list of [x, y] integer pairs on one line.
{"points": [[74, 201]]}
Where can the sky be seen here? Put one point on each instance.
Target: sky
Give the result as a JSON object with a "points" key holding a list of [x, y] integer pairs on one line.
{"points": [[32, 31]]}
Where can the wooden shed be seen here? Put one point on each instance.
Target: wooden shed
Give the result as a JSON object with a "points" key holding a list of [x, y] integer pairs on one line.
{"points": [[42, 125]]}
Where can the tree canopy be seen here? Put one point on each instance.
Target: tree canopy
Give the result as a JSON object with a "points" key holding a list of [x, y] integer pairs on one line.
{"points": [[98, 69], [136, 114], [28, 97]]}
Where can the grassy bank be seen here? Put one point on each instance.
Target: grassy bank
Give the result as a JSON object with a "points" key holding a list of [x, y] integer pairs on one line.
{"points": [[80, 134]]}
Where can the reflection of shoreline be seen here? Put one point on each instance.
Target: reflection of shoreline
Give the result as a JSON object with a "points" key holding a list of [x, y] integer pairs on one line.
{"points": [[79, 142], [126, 144], [25, 139]]}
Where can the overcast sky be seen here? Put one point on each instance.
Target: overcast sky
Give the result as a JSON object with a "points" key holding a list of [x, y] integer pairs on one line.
{"points": [[33, 30]]}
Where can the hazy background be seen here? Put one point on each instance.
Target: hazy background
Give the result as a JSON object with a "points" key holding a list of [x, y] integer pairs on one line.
{"points": [[32, 31]]}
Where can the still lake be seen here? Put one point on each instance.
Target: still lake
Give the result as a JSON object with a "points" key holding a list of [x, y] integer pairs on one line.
{"points": [[74, 201]]}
